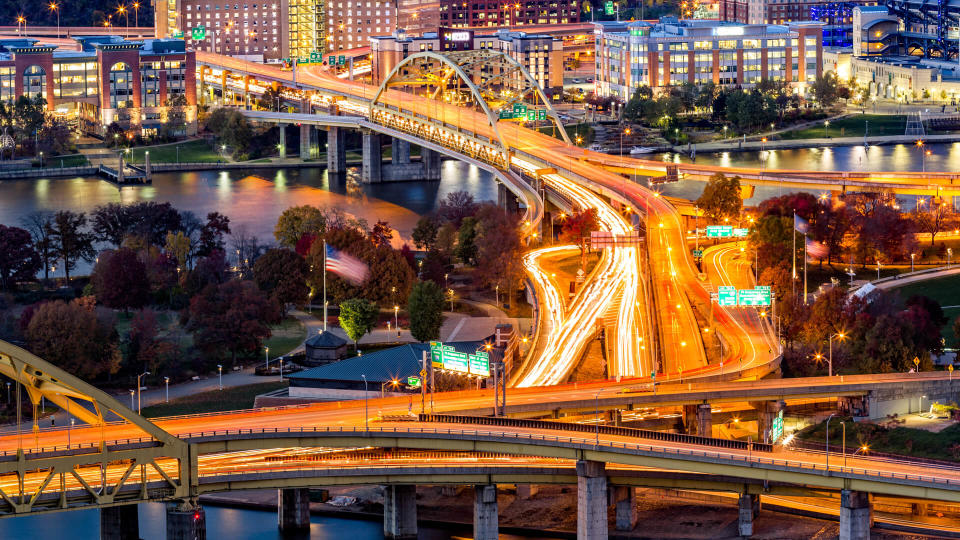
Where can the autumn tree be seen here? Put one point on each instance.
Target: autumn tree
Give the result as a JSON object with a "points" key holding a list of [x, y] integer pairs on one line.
{"points": [[425, 233], [120, 279], [232, 318], [425, 306], [145, 350], [282, 274], [297, 221], [577, 227], [70, 243], [935, 220], [381, 233], [19, 261], [212, 233], [456, 206], [357, 318], [499, 248], [721, 198], [71, 337], [178, 246]]}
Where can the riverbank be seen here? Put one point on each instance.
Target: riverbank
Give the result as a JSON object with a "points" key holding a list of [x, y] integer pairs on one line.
{"points": [[738, 145]]}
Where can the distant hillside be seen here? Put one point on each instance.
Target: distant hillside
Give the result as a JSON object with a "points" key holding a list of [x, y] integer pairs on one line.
{"points": [[74, 13]]}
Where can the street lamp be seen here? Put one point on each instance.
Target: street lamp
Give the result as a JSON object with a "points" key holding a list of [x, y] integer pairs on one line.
{"points": [[266, 356], [220, 376], [138, 389], [949, 254], [912, 257], [828, 441], [396, 322], [840, 335], [166, 383], [366, 417], [131, 399], [826, 124], [622, 133], [56, 8]]}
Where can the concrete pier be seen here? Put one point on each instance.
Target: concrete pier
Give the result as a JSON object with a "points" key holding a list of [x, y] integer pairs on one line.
{"points": [[591, 500], [336, 150], [186, 521], [749, 507], [766, 412], [399, 151], [431, 164], [372, 158], [625, 499], [119, 523], [282, 149], [293, 509], [400, 512], [698, 420], [856, 515], [485, 515], [306, 141]]}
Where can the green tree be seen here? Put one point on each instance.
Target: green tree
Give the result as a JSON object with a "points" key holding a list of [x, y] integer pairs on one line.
{"points": [[175, 123], [297, 221], [825, 89], [69, 241], [721, 198], [357, 317], [446, 240], [425, 306], [425, 233], [466, 240], [178, 245]]}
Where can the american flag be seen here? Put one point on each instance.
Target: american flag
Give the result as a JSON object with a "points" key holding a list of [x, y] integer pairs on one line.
{"points": [[816, 250], [347, 267]]}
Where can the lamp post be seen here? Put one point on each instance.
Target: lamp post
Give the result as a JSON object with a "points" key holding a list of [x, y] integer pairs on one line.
{"points": [[949, 254], [828, 441], [497, 289], [919, 144], [136, 14], [878, 270], [826, 124], [56, 8], [220, 376], [131, 399], [266, 356], [912, 257], [138, 389], [366, 417], [166, 383], [622, 133], [841, 335], [72, 421], [396, 320]]}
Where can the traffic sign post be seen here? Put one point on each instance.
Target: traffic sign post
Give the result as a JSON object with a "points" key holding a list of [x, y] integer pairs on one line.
{"points": [[726, 296], [198, 33], [719, 231], [740, 233], [413, 382], [697, 253], [777, 429], [608, 7]]}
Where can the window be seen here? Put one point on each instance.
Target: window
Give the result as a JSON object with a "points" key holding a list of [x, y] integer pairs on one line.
{"points": [[35, 82], [121, 86]]}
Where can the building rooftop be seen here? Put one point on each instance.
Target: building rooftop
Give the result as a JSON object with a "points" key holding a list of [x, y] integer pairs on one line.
{"points": [[395, 363], [326, 340]]}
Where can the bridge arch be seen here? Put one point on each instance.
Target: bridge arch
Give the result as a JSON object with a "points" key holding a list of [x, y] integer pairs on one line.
{"points": [[494, 82]]}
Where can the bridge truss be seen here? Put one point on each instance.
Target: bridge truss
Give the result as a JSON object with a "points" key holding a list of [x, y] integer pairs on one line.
{"points": [[102, 474], [427, 93]]}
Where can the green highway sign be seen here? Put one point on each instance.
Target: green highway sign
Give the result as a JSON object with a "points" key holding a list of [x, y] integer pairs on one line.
{"points": [[740, 233], [608, 7], [719, 231], [753, 297], [198, 33], [331, 60], [519, 108], [341, 60], [413, 382], [446, 357], [726, 296], [697, 253], [777, 430]]}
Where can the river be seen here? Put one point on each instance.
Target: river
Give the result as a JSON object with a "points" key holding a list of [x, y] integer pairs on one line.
{"points": [[252, 199], [897, 157]]}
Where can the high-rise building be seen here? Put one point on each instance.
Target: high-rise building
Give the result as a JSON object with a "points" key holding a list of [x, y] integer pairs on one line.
{"points": [[351, 24], [258, 30], [837, 16], [419, 16]]}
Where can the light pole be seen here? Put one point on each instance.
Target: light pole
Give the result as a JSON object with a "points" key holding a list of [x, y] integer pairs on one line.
{"points": [[56, 8], [497, 289], [622, 133], [266, 356], [136, 14], [949, 254], [131, 400], [828, 441], [919, 144], [878, 270], [366, 417], [220, 376], [138, 389], [826, 124], [166, 384], [841, 335], [396, 320], [72, 421], [912, 257]]}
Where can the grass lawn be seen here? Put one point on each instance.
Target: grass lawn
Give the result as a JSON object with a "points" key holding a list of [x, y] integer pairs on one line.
{"points": [[896, 440], [946, 291], [228, 399], [286, 336], [195, 151], [852, 126], [74, 160]]}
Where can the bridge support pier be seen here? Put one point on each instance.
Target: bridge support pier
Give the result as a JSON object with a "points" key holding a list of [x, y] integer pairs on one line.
{"points": [[485, 515], [293, 509], [431, 164], [282, 150], [625, 498], [400, 512], [186, 521], [766, 412], [372, 158], [336, 150], [506, 199], [306, 141], [856, 515], [749, 507], [399, 151], [698, 420], [591, 500], [854, 405], [119, 523]]}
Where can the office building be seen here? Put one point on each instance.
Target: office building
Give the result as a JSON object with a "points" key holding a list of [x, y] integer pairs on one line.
{"points": [[351, 24], [541, 55], [420, 16], [672, 52], [103, 80]]}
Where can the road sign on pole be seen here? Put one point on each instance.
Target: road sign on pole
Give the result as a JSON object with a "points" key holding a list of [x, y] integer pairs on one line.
{"points": [[608, 8], [199, 33], [719, 231], [726, 296], [777, 430]]}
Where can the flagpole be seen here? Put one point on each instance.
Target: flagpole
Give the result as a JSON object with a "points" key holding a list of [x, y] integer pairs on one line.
{"points": [[324, 285], [804, 269]]}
